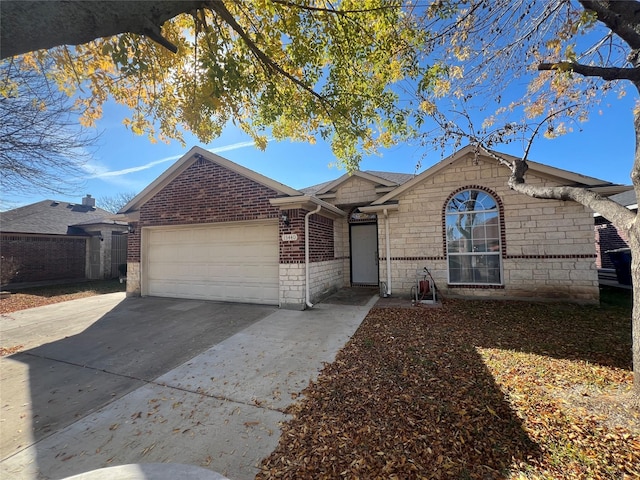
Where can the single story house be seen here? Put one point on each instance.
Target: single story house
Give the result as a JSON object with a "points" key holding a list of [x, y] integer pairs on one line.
{"points": [[208, 228], [52, 240]]}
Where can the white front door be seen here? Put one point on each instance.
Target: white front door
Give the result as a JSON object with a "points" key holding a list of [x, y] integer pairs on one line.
{"points": [[364, 254]]}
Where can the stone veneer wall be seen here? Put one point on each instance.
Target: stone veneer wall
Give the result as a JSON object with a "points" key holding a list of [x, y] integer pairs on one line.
{"points": [[548, 245], [355, 191], [324, 277], [133, 279], [292, 283]]}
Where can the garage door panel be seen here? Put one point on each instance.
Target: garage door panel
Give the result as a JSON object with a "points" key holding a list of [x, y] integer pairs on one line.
{"points": [[232, 262], [232, 293]]}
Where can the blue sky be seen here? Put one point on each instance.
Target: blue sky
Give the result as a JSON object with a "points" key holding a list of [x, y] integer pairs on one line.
{"points": [[124, 162]]}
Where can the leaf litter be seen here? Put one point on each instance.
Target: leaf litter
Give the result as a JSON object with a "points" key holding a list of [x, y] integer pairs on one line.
{"points": [[474, 389]]}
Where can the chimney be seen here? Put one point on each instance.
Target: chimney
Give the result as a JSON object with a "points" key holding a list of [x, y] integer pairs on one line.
{"points": [[88, 201]]}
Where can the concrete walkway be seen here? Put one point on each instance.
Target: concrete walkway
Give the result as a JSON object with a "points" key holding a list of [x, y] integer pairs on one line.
{"points": [[218, 409]]}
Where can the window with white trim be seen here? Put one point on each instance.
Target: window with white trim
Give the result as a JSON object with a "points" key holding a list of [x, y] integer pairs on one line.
{"points": [[473, 239]]}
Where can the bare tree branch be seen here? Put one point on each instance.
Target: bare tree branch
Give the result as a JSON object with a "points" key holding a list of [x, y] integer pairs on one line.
{"points": [[42, 147]]}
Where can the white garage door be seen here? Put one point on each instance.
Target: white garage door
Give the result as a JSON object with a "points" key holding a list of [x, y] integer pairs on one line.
{"points": [[234, 262]]}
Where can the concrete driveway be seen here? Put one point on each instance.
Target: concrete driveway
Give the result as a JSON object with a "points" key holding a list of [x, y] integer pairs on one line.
{"points": [[108, 381]]}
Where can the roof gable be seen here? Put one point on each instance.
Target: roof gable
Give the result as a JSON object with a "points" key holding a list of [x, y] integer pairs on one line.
{"points": [[371, 177], [562, 177], [184, 162], [382, 181], [52, 217]]}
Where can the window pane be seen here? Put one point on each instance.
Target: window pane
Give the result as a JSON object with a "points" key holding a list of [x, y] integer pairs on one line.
{"points": [[473, 232], [472, 228], [485, 233], [474, 269], [470, 201]]}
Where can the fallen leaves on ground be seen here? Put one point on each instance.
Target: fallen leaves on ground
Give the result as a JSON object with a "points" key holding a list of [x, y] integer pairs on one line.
{"points": [[475, 390], [39, 296], [6, 351]]}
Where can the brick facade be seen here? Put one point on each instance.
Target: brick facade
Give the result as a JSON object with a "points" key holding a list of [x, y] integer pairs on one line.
{"points": [[607, 237], [133, 244], [321, 238], [35, 258], [206, 193], [292, 251]]}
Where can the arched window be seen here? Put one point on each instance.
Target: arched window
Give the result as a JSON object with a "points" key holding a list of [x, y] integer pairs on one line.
{"points": [[473, 238]]}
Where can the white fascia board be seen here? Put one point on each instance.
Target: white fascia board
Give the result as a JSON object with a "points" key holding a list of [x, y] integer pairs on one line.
{"points": [[244, 171], [173, 171], [608, 190], [426, 174], [327, 195], [307, 202], [378, 208]]}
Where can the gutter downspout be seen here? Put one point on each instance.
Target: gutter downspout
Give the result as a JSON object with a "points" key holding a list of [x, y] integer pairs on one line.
{"points": [[388, 250], [307, 294]]}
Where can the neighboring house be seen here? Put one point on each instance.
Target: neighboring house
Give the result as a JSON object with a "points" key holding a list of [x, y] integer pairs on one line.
{"points": [[608, 237], [52, 240], [208, 228]]}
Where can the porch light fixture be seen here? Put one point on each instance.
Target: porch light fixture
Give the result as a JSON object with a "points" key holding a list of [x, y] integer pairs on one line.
{"points": [[131, 229], [285, 219]]}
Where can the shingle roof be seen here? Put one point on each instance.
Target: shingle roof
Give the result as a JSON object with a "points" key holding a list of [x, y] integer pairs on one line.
{"points": [[315, 188], [397, 178], [51, 217], [625, 198], [394, 177]]}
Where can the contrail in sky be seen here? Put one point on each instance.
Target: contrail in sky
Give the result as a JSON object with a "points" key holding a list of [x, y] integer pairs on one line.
{"points": [[146, 166]]}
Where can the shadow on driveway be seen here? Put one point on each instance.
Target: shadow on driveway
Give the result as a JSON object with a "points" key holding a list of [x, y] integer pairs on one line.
{"points": [[48, 387], [154, 380]]}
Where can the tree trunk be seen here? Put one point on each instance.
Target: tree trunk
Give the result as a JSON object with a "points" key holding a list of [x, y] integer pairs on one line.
{"points": [[634, 244], [34, 25], [618, 215]]}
